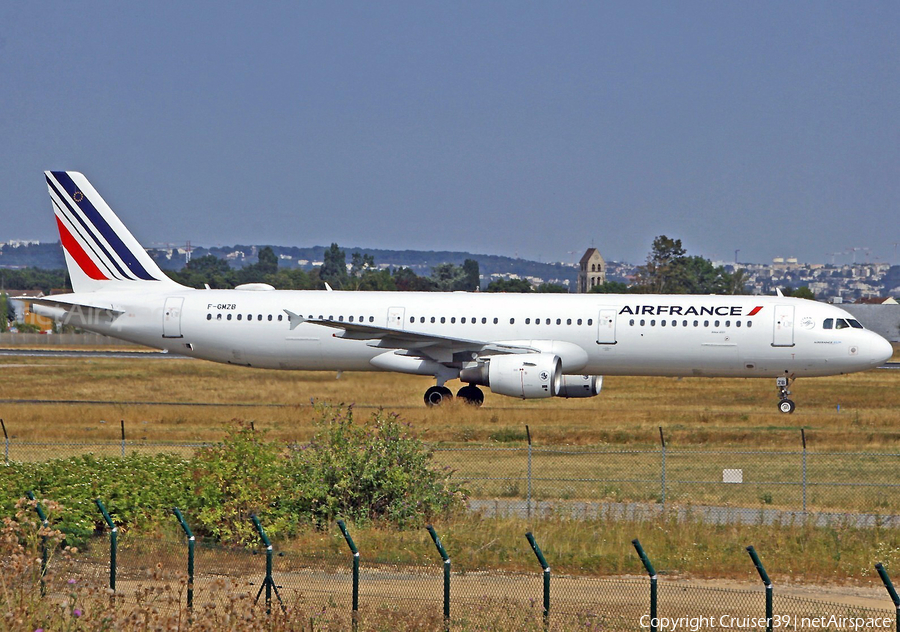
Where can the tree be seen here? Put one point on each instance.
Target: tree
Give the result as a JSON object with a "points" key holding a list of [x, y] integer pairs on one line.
{"points": [[406, 280], [551, 288], [610, 287], [510, 285], [334, 267], [800, 292], [660, 275], [268, 261], [471, 276]]}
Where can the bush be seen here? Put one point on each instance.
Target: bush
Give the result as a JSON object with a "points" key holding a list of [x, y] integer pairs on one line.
{"points": [[233, 480], [370, 472]]}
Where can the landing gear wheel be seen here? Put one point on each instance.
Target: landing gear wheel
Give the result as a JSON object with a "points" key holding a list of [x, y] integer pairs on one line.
{"points": [[471, 395], [437, 395], [786, 406]]}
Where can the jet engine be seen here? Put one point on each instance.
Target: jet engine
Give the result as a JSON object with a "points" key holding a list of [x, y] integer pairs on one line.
{"points": [[528, 376], [580, 385]]}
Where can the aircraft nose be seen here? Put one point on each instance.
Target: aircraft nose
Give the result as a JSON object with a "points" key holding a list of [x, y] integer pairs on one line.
{"points": [[881, 350]]}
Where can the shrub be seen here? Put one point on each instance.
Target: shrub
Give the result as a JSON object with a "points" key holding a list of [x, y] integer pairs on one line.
{"points": [[373, 471], [231, 481]]}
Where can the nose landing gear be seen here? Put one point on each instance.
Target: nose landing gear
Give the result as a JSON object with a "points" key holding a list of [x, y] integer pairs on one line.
{"points": [[785, 404]]}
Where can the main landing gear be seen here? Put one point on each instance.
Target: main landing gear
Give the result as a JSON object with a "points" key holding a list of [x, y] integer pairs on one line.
{"points": [[785, 404], [470, 394]]}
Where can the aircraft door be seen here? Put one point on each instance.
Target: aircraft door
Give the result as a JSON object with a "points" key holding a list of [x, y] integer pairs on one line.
{"points": [[172, 317], [395, 317], [783, 334], [606, 327]]}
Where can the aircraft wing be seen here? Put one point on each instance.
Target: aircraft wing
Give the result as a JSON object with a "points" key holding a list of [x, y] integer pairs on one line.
{"points": [[427, 344]]}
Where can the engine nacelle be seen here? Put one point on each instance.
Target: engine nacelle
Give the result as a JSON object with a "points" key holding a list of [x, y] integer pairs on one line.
{"points": [[528, 376], [580, 385]]}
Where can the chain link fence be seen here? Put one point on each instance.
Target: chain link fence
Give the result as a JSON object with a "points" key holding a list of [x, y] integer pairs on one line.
{"points": [[715, 485], [153, 573]]}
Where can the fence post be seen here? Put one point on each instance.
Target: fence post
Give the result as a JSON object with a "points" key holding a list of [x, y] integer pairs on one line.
{"points": [[528, 498], [191, 540], [446, 558], [122, 424], [546, 567], [355, 551], [803, 438], [763, 575], [662, 441], [45, 555], [654, 618], [113, 543], [5, 440], [268, 582], [891, 591]]}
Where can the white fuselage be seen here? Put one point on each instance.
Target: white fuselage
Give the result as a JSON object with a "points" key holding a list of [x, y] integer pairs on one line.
{"points": [[630, 334]]}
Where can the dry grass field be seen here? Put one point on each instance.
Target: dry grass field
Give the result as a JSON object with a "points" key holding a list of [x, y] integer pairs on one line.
{"points": [[181, 399]]}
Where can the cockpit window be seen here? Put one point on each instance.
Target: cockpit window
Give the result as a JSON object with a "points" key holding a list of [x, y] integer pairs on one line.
{"points": [[855, 323], [828, 324], [840, 323]]}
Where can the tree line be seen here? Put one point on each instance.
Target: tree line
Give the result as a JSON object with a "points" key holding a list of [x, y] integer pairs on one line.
{"points": [[668, 270]]}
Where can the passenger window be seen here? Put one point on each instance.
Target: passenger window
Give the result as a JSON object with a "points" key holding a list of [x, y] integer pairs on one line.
{"points": [[270, 317], [443, 320], [662, 323], [706, 323], [218, 316], [371, 319], [717, 323], [453, 319], [412, 319], [228, 317], [249, 316], [239, 316], [674, 323], [828, 324], [512, 321], [351, 319], [578, 321], [652, 323], [432, 319], [738, 323], [495, 321], [631, 322], [279, 317], [527, 321], [696, 323], [463, 320], [728, 323], [209, 317], [422, 319], [643, 322], [559, 321], [590, 321], [749, 323], [340, 318], [684, 323], [548, 321], [569, 321]]}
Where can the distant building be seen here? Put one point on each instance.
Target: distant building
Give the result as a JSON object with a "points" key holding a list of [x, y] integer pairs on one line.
{"points": [[591, 271]]}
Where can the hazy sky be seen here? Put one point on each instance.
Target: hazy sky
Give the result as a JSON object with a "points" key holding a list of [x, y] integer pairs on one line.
{"points": [[535, 129]]}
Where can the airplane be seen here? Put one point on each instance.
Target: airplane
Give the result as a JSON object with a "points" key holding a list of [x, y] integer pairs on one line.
{"points": [[519, 345]]}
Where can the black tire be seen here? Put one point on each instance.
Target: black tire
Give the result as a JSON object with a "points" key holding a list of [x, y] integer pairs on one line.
{"points": [[786, 406], [437, 395], [471, 395]]}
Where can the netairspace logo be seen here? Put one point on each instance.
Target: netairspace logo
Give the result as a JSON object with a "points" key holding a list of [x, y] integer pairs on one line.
{"points": [[783, 622]]}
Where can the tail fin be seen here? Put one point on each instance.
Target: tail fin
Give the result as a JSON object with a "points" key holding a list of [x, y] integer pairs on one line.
{"points": [[101, 253]]}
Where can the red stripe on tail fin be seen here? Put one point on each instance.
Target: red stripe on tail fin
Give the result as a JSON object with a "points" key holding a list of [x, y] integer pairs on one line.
{"points": [[78, 254]]}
